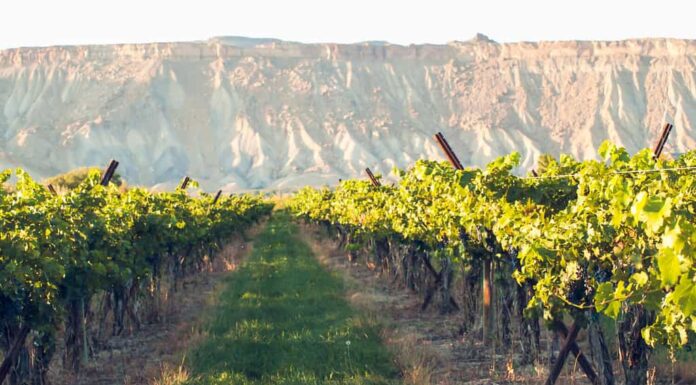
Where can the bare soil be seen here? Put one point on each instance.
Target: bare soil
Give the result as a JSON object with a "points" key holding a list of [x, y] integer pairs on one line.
{"points": [[443, 355], [428, 347]]}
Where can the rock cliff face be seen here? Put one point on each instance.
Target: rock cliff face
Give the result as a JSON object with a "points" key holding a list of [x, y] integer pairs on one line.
{"points": [[262, 113]]}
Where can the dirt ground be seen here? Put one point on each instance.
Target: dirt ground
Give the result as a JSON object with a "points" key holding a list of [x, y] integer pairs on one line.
{"points": [[428, 346], [157, 350]]}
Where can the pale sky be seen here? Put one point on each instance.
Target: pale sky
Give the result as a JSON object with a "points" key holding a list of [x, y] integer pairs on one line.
{"points": [[64, 22]]}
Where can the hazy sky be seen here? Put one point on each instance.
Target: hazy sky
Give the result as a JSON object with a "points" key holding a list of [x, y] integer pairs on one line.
{"points": [[51, 22]]}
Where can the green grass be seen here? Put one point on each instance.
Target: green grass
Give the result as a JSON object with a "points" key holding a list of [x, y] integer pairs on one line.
{"points": [[282, 319]]}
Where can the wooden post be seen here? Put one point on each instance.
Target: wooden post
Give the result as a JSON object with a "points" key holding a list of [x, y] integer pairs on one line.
{"points": [[14, 350], [487, 291], [445, 147], [449, 149], [374, 180], [558, 366], [585, 365], [660, 145], [185, 183], [217, 196], [108, 173], [51, 189]]}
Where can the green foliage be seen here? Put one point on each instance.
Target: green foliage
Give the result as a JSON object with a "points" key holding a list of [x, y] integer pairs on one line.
{"points": [[597, 236], [55, 250]]}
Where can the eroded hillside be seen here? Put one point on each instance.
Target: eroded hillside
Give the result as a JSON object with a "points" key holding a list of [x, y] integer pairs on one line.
{"points": [[247, 113]]}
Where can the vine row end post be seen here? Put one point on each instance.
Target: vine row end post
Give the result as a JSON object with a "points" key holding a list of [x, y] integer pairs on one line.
{"points": [[108, 173], [375, 181]]}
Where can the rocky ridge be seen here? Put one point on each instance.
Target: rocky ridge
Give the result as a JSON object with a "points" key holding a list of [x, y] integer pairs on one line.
{"points": [[244, 113]]}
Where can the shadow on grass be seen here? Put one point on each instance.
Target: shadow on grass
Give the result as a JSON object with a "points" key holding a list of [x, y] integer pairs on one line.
{"points": [[283, 320]]}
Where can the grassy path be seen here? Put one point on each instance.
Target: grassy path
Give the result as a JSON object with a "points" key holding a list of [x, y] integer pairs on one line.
{"points": [[282, 319]]}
